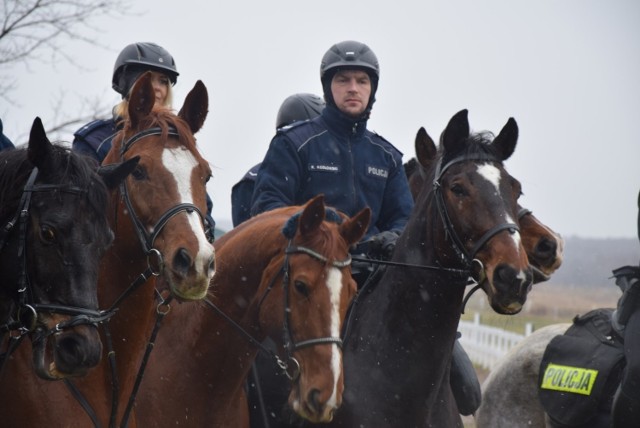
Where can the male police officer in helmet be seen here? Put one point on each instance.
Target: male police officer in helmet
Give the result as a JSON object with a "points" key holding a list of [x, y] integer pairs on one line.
{"points": [[335, 154]]}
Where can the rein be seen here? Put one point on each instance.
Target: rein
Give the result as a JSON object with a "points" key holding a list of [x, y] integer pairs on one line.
{"points": [[27, 312]]}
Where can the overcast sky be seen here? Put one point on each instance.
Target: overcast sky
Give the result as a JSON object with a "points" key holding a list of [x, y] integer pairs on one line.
{"points": [[568, 71]]}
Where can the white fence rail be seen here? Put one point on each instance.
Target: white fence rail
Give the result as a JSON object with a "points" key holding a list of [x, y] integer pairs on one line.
{"points": [[486, 345]]}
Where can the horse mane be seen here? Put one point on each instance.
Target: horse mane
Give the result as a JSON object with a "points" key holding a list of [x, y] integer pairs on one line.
{"points": [[285, 218], [165, 118], [64, 167], [410, 167]]}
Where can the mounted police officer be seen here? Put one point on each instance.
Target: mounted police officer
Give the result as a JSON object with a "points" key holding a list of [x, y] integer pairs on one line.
{"points": [[94, 139], [335, 154]]}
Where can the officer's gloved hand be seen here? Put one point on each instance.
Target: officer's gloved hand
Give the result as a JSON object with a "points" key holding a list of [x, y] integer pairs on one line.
{"points": [[381, 246]]}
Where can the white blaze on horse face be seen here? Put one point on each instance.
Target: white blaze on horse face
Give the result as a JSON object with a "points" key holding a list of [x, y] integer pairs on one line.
{"points": [[334, 283], [492, 174], [181, 163]]}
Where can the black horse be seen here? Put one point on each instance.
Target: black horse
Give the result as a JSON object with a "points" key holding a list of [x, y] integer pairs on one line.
{"points": [[54, 230], [402, 325]]}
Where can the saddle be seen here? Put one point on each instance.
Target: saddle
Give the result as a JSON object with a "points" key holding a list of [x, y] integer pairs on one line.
{"points": [[581, 370]]}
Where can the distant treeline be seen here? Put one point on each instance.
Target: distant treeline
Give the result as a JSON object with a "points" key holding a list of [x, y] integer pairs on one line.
{"points": [[589, 262]]}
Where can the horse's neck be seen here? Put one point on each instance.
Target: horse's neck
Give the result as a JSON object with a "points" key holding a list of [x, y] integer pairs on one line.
{"points": [[413, 307]]}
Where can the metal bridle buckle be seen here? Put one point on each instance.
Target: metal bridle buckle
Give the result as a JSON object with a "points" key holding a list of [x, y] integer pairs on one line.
{"points": [[29, 318], [159, 266], [293, 369]]}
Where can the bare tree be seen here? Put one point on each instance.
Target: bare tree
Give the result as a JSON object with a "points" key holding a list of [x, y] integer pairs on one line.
{"points": [[37, 30]]}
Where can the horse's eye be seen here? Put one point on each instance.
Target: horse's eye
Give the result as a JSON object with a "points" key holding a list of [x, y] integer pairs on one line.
{"points": [[458, 190], [207, 178], [301, 288], [139, 173], [47, 234]]}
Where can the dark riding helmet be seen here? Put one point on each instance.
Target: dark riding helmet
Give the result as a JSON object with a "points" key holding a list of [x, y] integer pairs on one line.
{"points": [[349, 55], [299, 107], [137, 58]]}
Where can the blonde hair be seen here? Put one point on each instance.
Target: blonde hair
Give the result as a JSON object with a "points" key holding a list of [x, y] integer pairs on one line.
{"points": [[121, 109]]}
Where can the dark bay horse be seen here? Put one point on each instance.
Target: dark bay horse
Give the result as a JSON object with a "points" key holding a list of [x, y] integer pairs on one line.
{"points": [[53, 234], [160, 252], [403, 323], [284, 274], [544, 248], [543, 245]]}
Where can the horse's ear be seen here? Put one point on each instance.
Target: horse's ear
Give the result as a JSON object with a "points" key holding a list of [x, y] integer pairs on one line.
{"points": [[312, 215], [353, 229], [505, 142], [141, 99], [425, 148], [456, 132], [196, 106], [40, 148], [113, 174]]}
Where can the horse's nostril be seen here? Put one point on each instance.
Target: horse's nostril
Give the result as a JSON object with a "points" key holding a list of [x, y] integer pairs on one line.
{"points": [[314, 400], [546, 248], [182, 261], [75, 351], [212, 264]]}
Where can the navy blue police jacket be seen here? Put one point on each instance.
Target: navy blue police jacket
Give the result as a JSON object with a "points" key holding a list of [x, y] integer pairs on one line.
{"points": [[5, 142], [94, 140], [338, 157], [241, 194]]}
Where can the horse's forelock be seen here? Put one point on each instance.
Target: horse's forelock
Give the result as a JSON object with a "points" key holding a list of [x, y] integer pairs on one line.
{"points": [[164, 118], [477, 144], [81, 171]]}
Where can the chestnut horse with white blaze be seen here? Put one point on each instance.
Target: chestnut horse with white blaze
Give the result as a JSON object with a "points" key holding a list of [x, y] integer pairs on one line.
{"points": [[160, 253]]}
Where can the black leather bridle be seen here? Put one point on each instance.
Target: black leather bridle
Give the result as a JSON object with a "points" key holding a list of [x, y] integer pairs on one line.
{"points": [[467, 258], [145, 238], [27, 308], [291, 367]]}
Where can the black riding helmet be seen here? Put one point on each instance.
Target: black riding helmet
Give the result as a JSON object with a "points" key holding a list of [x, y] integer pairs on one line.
{"points": [[349, 55], [299, 107], [137, 58]]}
